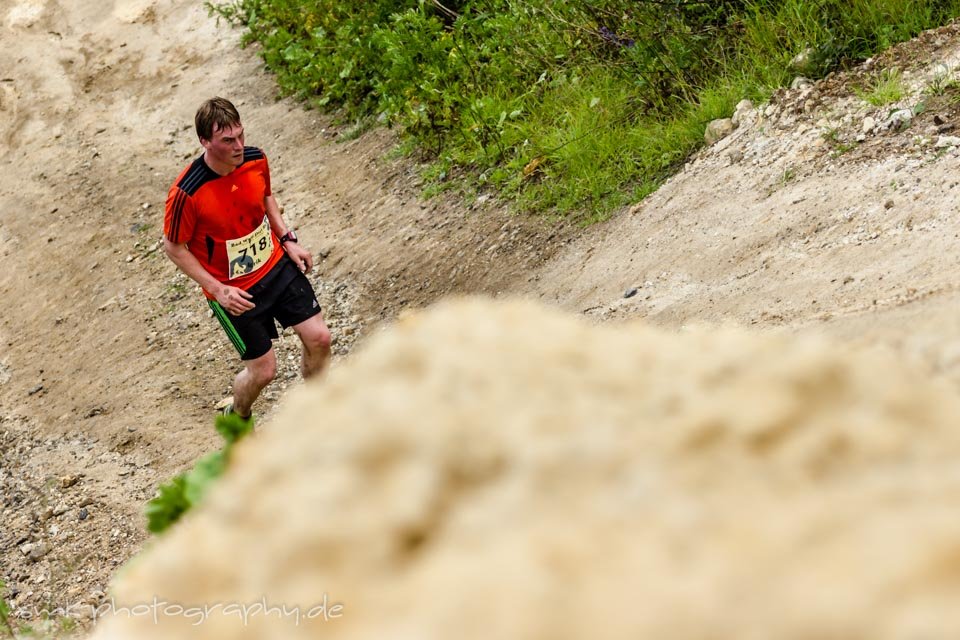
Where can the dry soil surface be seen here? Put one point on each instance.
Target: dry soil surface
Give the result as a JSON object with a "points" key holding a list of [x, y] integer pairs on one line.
{"points": [[110, 366], [804, 219]]}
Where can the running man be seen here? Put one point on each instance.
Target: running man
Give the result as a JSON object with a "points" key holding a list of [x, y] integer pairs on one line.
{"points": [[223, 228]]}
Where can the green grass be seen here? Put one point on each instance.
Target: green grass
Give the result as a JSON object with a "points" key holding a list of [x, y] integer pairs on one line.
{"points": [[607, 98], [885, 89], [941, 83]]}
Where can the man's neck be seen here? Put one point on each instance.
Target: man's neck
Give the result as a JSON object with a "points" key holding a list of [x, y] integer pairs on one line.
{"points": [[219, 168]]}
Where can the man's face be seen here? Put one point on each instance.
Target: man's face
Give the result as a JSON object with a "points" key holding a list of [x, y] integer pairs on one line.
{"points": [[226, 145]]}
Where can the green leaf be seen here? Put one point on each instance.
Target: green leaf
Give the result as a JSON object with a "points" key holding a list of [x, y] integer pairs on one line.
{"points": [[198, 480], [232, 427], [169, 504]]}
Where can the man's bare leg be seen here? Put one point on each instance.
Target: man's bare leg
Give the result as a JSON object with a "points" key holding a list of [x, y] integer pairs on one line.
{"points": [[315, 337], [248, 384]]}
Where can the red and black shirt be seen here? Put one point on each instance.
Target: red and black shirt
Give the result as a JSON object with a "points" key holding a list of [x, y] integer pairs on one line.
{"points": [[223, 219]]}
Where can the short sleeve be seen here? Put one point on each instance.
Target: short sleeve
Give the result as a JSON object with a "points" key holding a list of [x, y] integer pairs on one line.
{"points": [[266, 175], [179, 217]]}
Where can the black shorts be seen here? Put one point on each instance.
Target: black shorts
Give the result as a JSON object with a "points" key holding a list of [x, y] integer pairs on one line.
{"points": [[284, 295]]}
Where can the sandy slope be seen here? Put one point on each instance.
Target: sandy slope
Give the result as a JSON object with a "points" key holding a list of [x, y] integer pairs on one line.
{"points": [[109, 365]]}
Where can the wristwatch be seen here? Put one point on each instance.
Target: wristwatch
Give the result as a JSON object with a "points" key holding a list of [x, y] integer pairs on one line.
{"points": [[289, 236]]}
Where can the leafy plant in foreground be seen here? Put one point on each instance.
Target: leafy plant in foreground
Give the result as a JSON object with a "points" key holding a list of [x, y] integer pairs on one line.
{"points": [[186, 490]]}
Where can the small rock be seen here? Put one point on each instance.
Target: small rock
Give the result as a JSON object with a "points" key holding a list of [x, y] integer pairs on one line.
{"points": [[348, 331], [888, 204], [803, 61], [35, 390], [735, 155], [937, 120], [744, 107], [46, 514], [60, 509], [68, 481], [869, 124], [85, 614], [83, 514], [86, 502], [848, 280], [899, 119], [800, 82], [38, 551], [718, 129], [944, 142], [629, 293]]}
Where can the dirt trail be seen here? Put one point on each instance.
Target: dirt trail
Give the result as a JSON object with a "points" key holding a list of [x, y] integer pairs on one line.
{"points": [[110, 367]]}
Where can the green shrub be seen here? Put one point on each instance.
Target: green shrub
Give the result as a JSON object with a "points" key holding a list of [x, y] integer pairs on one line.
{"points": [[603, 98]]}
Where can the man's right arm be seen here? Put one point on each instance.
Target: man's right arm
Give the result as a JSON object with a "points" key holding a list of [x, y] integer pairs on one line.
{"points": [[233, 299]]}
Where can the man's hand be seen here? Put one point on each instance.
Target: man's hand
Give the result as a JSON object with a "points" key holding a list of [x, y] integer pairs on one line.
{"points": [[234, 300], [300, 256]]}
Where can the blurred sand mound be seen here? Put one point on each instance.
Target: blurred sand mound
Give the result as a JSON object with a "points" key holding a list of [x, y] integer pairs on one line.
{"points": [[498, 470]]}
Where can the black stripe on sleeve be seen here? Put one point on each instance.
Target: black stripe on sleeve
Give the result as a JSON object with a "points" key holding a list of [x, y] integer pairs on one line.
{"points": [[252, 153], [198, 175], [178, 201]]}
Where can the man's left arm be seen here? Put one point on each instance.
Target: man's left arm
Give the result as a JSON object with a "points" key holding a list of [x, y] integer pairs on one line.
{"points": [[300, 256]]}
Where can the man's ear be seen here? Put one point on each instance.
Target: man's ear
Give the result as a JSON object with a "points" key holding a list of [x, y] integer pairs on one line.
{"points": [[204, 143]]}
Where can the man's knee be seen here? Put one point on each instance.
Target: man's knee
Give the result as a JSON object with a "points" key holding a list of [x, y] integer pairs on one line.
{"points": [[263, 369], [316, 336]]}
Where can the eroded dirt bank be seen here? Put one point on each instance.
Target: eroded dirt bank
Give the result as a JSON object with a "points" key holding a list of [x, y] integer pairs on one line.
{"points": [[522, 474]]}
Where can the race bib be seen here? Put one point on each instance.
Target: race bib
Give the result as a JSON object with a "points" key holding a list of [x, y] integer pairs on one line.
{"points": [[249, 253]]}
